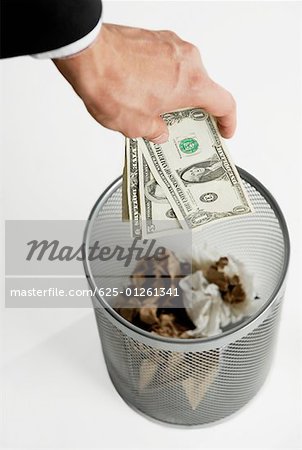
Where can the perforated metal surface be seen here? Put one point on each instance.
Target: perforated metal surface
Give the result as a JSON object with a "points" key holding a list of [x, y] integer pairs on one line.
{"points": [[188, 388], [194, 382]]}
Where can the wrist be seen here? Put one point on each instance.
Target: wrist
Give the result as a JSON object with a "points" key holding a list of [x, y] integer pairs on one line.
{"points": [[86, 70]]}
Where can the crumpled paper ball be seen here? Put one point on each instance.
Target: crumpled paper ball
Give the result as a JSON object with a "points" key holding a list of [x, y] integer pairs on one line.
{"points": [[203, 300]]}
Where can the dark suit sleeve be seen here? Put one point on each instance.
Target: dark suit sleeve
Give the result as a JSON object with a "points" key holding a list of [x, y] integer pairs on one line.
{"points": [[36, 26]]}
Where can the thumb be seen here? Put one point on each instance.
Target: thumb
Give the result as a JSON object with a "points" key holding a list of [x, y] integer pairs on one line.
{"points": [[157, 131]]}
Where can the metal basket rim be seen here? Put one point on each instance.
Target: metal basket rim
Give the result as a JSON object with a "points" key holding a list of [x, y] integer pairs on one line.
{"points": [[209, 342]]}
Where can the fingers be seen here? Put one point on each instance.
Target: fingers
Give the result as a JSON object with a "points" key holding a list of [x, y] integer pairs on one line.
{"points": [[157, 131], [152, 129], [218, 102]]}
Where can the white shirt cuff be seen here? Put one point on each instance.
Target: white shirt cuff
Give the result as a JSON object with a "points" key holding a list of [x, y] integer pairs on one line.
{"points": [[74, 47]]}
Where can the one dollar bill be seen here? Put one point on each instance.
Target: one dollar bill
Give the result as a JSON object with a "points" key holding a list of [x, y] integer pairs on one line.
{"points": [[194, 170], [145, 204], [157, 215], [132, 185]]}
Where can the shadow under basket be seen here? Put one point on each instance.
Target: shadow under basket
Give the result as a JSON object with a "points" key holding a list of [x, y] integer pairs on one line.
{"points": [[192, 382]]}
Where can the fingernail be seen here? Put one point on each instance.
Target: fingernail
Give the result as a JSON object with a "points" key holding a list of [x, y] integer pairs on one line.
{"points": [[161, 139]]}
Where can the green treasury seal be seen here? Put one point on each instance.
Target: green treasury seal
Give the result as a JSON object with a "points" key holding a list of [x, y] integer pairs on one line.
{"points": [[188, 145]]}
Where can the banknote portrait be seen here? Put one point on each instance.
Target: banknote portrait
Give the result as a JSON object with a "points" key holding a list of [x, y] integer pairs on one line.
{"points": [[155, 193], [203, 171]]}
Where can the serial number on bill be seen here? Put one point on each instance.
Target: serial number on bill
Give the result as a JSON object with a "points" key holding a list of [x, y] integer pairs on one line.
{"points": [[139, 292]]}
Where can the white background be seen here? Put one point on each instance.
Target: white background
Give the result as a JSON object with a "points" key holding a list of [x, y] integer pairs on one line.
{"points": [[57, 161]]}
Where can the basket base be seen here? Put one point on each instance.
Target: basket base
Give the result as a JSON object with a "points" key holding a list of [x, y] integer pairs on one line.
{"points": [[212, 423]]}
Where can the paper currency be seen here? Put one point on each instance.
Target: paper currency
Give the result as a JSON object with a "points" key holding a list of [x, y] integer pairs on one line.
{"points": [[195, 171], [157, 215], [132, 185], [125, 205], [148, 209], [186, 183]]}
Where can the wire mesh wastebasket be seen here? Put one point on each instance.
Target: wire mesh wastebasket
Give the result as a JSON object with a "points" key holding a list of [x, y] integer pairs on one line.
{"points": [[192, 382]]}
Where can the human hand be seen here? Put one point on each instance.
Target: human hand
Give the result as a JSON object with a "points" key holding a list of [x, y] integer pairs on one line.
{"points": [[130, 76]]}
